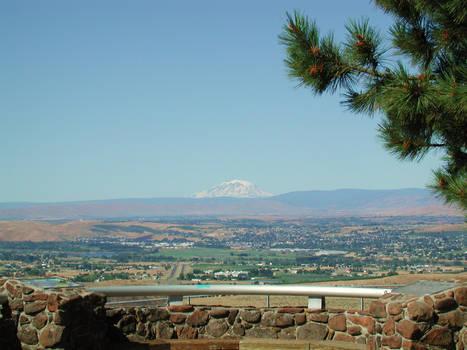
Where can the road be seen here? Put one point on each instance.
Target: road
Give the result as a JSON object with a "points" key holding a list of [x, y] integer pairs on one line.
{"points": [[176, 270]]}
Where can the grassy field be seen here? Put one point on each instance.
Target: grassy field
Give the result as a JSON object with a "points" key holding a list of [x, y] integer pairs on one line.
{"points": [[190, 253]]}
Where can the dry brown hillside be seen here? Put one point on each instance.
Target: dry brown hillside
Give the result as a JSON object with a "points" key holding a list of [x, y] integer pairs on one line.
{"points": [[36, 231]]}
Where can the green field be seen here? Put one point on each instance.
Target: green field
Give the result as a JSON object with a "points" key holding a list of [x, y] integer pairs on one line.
{"points": [[190, 253]]}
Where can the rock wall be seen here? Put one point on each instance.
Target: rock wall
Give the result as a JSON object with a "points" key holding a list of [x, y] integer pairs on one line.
{"points": [[393, 322], [35, 319], [75, 319], [428, 322]]}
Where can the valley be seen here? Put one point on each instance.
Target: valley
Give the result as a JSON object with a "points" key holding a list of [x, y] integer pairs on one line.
{"points": [[243, 249]]}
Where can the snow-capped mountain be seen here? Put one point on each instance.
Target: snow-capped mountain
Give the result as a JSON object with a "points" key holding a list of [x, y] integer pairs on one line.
{"points": [[234, 188]]}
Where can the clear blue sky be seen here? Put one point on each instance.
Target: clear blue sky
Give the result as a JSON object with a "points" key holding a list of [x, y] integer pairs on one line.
{"points": [[115, 99]]}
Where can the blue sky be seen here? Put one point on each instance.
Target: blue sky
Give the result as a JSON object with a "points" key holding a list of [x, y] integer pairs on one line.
{"points": [[115, 99]]}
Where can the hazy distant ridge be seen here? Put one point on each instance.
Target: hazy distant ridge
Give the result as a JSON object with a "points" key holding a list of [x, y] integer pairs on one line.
{"points": [[357, 198], [319, 203]]}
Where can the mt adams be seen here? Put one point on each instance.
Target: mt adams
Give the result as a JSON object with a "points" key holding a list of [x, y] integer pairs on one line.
{"points": [[235, 189]]}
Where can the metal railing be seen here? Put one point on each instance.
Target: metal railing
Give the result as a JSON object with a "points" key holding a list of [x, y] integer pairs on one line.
{"points": [[316, 294]]}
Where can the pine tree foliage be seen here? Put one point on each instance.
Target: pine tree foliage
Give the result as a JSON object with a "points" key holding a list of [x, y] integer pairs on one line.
{"points": [[417, 83]]}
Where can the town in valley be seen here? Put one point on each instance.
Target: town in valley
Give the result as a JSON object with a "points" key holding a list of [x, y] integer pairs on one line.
{"points": [[237, 250]]}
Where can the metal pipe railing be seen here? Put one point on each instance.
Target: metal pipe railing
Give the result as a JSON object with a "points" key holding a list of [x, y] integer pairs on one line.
{"points": [[135, 301], [228, 289]]}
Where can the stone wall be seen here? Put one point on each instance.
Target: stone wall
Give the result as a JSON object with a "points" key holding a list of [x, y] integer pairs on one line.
{"points": [[428, 322], [71, 319], [393, 322], [75, 319]]}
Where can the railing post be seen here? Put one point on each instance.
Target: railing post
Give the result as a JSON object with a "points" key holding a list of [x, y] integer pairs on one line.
{"points": [[362, 304], [188, 300], [268, 304], [316, 302]]}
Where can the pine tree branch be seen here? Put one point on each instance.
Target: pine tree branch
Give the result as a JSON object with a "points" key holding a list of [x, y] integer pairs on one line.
{"points": [[423, 107], [371, 72]]}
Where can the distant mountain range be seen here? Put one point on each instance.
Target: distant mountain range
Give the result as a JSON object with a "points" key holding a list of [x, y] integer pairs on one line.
{"points": [[302, 203]]}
